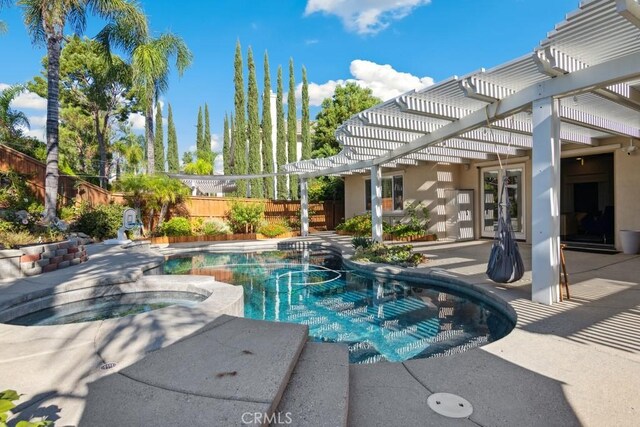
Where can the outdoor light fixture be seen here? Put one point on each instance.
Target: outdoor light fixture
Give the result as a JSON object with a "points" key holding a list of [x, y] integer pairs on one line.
{"points": [[581, 160], [631, 148]]}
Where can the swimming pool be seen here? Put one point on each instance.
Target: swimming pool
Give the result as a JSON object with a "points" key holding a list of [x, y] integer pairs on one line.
{"points": [[379, 319]]}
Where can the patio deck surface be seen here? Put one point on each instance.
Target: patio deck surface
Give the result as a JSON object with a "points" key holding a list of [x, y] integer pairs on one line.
{"points": [[573, 363]]}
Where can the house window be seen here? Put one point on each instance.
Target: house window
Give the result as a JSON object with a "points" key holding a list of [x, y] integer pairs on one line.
{"points": [[392, 193]]}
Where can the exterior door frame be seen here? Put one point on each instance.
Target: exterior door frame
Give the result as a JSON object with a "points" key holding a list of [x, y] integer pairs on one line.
{"points": [[520, 235]]}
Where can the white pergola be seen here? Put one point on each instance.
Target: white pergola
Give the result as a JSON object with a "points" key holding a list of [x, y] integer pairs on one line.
{"points": [[579, 84]]}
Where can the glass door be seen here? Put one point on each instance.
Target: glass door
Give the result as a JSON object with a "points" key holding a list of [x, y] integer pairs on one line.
{"points": [[491, 186]]}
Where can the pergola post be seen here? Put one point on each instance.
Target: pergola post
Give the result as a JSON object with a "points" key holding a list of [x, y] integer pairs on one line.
{"points": [[304, 207], [376, 203], [545, 244]]}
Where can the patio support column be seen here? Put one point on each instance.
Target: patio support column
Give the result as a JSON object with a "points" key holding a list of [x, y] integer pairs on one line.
{"points": [[304, 207], [545, 212], [376, 203]]}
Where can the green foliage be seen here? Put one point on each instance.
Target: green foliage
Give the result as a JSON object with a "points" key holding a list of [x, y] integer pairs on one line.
{"points": [[361, 242], [131, 147], [245, 217], [177, 226], [100, 221], [11, 120], [416, 226], [12, 239], [346, 101], [401, 255], [253, 129], [158, 149], [267, 142], [15, 193], [326, 188], [274, 229], [200, 136], [292, 145], [239, 124], [206, 137], [226, 147], [360, 225], [7, 399], [187, 157], [199, 167], [215, 227], [281, 138], [306, 137], [173, 162]]}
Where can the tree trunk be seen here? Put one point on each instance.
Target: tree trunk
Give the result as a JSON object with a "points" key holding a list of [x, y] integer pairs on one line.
{"points": [[148, 124], [102, 170], [54, 47], [163, 213], [150, 220]]}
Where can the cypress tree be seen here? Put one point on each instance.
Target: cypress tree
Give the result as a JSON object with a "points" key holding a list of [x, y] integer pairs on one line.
{"points": [[239, 125], [158, 142], [306, 138], [206, 140], [172, 142], [267, 143], [199, 136], [253, 129], [292, 144], [281, 139], [226, 147]]}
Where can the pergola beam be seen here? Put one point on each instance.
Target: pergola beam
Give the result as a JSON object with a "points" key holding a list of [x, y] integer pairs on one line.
{"points": [[622, 69]]}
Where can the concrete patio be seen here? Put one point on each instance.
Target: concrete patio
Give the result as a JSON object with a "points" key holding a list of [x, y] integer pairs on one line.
{"points": [[573, 363]]}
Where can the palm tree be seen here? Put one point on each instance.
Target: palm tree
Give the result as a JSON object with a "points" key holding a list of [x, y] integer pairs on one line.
{"points": [[150, 62], [45, 21], [130, 147], [11, 120]]}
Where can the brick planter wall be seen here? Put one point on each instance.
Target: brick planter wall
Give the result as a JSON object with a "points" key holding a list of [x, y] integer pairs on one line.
{"points": [[50, 257]]}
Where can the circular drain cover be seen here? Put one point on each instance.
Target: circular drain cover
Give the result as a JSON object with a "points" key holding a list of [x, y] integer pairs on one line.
{"points": [[450, 405]]}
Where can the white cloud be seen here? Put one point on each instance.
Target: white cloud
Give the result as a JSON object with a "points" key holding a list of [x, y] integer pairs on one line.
{"points": [[365, 16], [384, 81], [216, 146], [136, 120]]}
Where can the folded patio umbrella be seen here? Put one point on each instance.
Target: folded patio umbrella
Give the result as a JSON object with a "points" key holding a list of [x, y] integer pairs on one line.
{"points": [[505, 263]]}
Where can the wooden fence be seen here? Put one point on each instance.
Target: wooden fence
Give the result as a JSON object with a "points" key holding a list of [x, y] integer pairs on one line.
{"points": [[70, 188], [322, 216]]}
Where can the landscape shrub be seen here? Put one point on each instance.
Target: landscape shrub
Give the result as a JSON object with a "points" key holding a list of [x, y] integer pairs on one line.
{"points": [[274, 229], [360, 225], [361, 242], [246, 217], [215, 227], [177, 226], [100, 221], [196, 225], [401, 255], [14, 239]]}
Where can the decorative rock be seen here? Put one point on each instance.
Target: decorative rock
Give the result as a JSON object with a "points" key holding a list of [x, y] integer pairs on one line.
{"points": [[48, 253], [73, 250], [42, 262], [63, 245], [32, 271], [64, 264], [56, 259], [75, 261], [68, 257], [61, 252], [78, 254]]}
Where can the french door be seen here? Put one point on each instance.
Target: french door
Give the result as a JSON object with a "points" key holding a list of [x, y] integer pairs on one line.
{"points": [[490, 187]]}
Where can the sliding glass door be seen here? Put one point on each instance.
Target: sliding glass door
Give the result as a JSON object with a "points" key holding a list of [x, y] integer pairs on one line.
{"points": [[491, 186]]}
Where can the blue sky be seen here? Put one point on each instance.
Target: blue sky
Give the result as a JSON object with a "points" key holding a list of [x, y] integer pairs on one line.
{"points": [[388, 45]]}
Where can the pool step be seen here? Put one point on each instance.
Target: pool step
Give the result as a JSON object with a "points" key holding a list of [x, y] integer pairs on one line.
{"points": [[318, 392], [225, 370]]}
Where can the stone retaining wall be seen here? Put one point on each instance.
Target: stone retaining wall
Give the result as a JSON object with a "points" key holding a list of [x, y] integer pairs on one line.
{"points": [[37, 259]]}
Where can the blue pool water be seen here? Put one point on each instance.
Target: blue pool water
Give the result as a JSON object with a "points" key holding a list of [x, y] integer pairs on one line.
{"points": [[379, 319]]}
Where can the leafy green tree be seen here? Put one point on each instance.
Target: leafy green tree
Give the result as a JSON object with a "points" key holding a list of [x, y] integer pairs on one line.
{"points": [[131, 148], [199, 167], [267, 142], [187, 157], [46, 21], [306, 138], [281, 139], [239, 125], [11, 120], [347, 100], [226, 147], [150, 58], [206, 139], [158, 150], [172, 144], [99, 86], [292, 142], [253, 129], [200, 152]]}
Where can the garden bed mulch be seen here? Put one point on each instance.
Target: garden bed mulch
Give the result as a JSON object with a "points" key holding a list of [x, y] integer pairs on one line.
{"points": [[220, 238]]}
